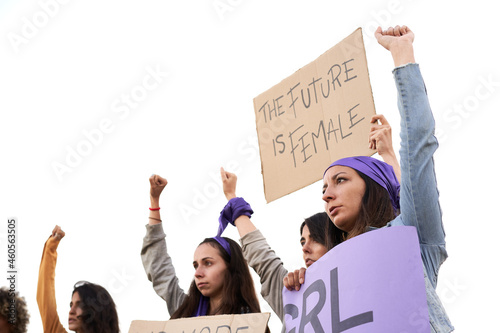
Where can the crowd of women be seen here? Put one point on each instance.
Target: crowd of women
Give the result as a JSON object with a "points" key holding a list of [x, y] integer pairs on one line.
{"points": [[360, 194]]}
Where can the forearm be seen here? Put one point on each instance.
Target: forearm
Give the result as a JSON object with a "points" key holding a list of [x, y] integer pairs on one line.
{"points": [[391, 159], [268, 266], [45, 294], [154, 215], [244, 225], [402, 53]]}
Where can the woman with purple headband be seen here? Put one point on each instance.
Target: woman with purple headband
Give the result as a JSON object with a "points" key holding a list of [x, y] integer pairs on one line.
{"points": [[222, 282], [317, 234], [362, 193]]}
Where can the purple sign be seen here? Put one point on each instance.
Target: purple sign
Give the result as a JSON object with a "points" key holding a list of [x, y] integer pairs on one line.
{"points": [[371, 283]]}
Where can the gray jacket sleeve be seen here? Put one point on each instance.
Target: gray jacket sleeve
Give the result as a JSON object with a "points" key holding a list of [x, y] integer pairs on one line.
{"points": [[268, 266], [159, 269]]}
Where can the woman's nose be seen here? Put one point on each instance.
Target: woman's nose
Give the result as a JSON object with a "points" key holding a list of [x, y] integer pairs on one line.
{"points": [[306, 248], [327, 194], [198, 272]]}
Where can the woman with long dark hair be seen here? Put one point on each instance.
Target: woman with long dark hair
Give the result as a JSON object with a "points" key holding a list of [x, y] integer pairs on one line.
{"points": [[222, 282], [317, 234], [363, 194], [92, 309]]}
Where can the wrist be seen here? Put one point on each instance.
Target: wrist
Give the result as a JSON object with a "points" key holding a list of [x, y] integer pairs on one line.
{"points": [[389, 153], [230, 196], [402, 53], [155, 202]]}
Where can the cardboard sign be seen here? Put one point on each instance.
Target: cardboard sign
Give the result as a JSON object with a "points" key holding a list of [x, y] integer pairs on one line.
{"points": [[371, 283], [245, 323], [312, 118]]}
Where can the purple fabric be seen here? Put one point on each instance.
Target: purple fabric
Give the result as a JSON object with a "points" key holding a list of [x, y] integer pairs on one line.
{"points": [[202, 307], [224, 243], [233, 209], [381, 172], [388, 258]]}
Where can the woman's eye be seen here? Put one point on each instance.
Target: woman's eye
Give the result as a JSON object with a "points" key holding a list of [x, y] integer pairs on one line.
{"points": [[340, 180]]}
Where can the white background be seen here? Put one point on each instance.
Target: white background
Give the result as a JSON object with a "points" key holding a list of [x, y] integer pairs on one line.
{"points": [[70, 71]]}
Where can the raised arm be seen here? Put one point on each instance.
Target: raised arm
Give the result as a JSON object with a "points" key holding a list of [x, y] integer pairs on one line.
{"points": [[155, 259], [419, 197], [257, 252], [46, 291], [419, 194]]}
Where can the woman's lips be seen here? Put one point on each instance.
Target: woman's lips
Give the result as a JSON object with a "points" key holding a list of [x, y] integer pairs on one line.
{"points": [[333, 210]]}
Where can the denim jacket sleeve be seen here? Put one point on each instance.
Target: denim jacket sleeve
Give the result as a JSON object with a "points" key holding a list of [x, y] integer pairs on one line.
{"points": [[419, 196]]}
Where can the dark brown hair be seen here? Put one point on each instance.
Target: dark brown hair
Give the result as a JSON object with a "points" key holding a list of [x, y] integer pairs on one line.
{"points": [[98, 309], [238, 289], [376, 208], [323, 231]]}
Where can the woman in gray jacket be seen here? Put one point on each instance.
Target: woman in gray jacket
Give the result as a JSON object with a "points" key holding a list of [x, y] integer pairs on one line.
{"points": [[222, 283]]}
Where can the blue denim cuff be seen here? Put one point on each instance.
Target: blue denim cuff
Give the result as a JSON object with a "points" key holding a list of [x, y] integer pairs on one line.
{"points": [[405, 65]]}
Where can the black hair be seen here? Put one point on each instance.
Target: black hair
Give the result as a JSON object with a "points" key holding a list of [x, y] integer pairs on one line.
{"points": [[323, 231], [98, 308]]}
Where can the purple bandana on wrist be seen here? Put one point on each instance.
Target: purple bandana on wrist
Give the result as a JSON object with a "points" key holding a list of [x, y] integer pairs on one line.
{"points": [[381, 172], [233, 209]]}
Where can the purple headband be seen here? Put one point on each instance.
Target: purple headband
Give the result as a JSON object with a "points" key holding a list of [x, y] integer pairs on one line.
{"points": [[233, 209], [381, 172], [224, 243]]}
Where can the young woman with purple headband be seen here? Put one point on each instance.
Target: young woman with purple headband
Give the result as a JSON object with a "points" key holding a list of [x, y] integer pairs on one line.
{"points": [[317, 234], [222, 282], [362, 193]]}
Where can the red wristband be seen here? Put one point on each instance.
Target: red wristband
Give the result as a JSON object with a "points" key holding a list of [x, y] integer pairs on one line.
{"points": [[154, 208]]}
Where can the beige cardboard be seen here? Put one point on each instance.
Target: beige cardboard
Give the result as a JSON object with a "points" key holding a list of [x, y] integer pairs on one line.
{"points": [[312, 118], [245, 323]]}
